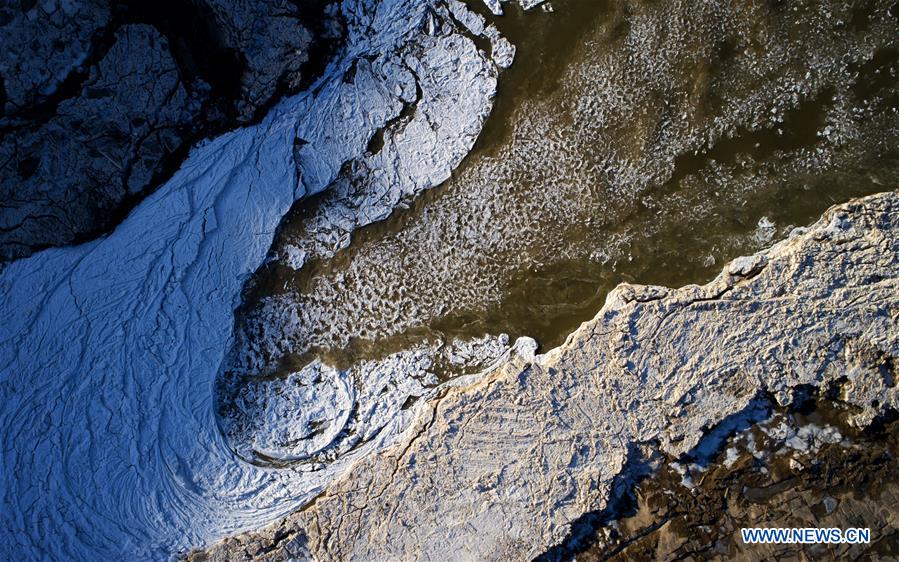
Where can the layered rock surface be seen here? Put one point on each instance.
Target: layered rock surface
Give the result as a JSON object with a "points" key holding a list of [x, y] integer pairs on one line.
{"points": [[803, 467], [500, 465]]}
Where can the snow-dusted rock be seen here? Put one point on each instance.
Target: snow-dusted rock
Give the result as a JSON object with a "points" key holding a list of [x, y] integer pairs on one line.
{"points": [[43, 43], [99, 101], [500, 465], [68, 175], [273, 40], [109, 350]]}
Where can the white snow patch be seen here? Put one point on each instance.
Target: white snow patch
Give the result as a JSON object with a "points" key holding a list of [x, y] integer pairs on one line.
{"points": [[109, 350]]}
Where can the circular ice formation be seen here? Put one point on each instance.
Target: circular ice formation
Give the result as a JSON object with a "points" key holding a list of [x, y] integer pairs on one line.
{"points": [[293, 418], [309, 418], [118, 454]]}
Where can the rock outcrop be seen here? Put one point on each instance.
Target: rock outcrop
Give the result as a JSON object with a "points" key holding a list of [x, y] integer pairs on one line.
{"points": [[100, 101], [499, 466], [803, 467]]}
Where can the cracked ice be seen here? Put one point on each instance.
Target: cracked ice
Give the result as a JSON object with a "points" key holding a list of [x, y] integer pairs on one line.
{"points": [[109, 350]]}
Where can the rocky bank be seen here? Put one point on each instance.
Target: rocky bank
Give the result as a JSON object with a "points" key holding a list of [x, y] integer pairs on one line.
{"points": [[803, 467], [100, 101]]}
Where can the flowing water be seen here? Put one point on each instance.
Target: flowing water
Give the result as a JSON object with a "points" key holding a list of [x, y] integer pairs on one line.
{"points": [[631, 141]]}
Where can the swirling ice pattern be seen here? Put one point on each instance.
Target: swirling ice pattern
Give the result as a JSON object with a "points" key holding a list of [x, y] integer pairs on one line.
{"points": [[308, 418], [109, 350]]}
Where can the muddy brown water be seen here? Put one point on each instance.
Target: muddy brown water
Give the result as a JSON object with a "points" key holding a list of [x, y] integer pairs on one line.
{"points": [[640, 142]]}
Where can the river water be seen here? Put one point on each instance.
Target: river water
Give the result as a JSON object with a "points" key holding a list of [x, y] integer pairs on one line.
{"points": [[631, 141]]}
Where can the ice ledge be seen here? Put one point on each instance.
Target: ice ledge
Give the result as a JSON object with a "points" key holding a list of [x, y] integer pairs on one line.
{"points": [[108, 350], [499, 466], [496, 6]]}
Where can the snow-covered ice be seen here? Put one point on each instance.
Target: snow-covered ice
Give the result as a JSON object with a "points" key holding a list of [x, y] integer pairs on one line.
{"points": [[109, 350]]}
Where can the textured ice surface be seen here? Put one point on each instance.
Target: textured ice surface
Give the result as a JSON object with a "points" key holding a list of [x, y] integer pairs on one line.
{"points": [[298, 416], [109, 350], [320, 413], [510, 464], [66, 174], [441, 74], [496, 7], [528, 4], [100, 100]]}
